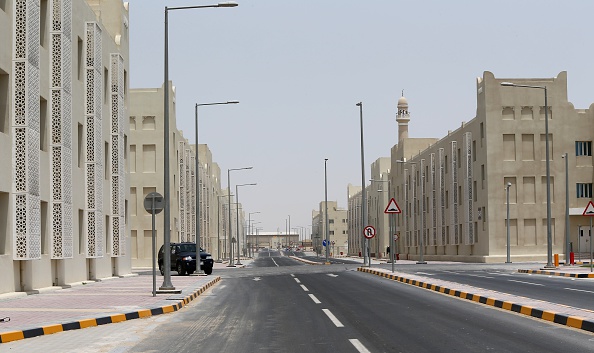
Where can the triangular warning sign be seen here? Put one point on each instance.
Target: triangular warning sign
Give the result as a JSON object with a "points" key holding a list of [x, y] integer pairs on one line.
{"points": [[589, 211], [394, 208]]}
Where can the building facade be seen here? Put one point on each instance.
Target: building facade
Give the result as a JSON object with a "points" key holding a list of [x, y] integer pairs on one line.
{"points": [[453, 192], [63, 127], [337, 228]]}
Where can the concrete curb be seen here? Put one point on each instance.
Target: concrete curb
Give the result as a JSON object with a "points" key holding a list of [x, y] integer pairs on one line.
{"points": [[75, 325], [562, 274], [567, 320]]}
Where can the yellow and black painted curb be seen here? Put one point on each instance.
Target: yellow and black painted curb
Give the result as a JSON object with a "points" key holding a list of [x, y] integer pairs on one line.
{"points": [[572, 321], [562, 274], [75, 325]]}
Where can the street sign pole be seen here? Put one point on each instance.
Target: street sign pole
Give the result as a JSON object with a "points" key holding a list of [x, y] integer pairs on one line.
{"points": [[393, 241], [153, 204]]}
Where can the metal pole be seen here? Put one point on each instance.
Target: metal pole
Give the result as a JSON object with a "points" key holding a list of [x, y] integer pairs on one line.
{"points": [[289, 234], [590, 244], [237, 224], [421, 215], [363, 191], [167, 285], [549, 235], [508, 240], [154, 241], [198, 259], [230, 230], [326, 210], [567, 262], [218, 229]]}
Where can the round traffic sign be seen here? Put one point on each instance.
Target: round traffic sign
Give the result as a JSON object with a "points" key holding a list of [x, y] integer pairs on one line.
{"points": [[369, 232], [154, 203]]}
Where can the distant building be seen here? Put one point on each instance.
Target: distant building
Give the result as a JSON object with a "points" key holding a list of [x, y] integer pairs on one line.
{"points": [[63, 142], [354, 220], [337, 228], [453, 192]]}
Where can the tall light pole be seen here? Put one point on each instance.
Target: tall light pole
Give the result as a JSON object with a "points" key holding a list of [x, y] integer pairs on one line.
{"points": [[326, 210], [546, 109], [237, 221], [507, 186], [366, 257], [566, 157], [289, 233], [219, 229], [249, 225], [167, 285], [230, 226], [198, 269]]}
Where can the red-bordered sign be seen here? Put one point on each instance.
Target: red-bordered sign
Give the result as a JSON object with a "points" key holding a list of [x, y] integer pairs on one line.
{"points": [[392, 207], [589, 211], [369, 232]]}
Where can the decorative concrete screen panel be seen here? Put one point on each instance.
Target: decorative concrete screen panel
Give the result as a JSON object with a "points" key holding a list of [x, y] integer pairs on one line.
{"points": [[26, 214], [454, 235], [93, 214], [469, 237], [61, 130], [118, 174]]}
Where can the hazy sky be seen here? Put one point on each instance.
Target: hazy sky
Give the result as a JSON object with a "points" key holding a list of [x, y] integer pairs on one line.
{"points": [[299, 67]]}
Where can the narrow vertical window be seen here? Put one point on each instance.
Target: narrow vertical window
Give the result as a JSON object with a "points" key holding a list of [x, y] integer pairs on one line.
{"points": [[4, 103], [79, 58], [80, 145]]}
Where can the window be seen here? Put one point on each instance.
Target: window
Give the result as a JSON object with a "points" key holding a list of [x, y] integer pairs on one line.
{"points": [[583, 148], [331, 221], [584, 190], [331, 232], [4, 100]]}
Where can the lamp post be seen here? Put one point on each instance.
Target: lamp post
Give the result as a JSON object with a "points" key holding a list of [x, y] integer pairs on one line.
{"points": [[507, 186], [249, 225], [548, 170], [167, 285], [219, 229], [366, 256], [198, 269], [566, 157], [326, 210], [252, 238], [237, 221], [230, 229]]}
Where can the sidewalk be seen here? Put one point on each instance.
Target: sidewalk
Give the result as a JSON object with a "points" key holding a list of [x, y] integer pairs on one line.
{"points": [[94, 303]]}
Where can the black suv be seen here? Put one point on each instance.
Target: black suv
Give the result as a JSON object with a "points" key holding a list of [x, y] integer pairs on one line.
{"points": [[183, 259]]}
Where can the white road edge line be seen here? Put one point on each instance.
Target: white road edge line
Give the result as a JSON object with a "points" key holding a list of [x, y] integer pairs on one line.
{"points": [[297, 280], [313, 297], [360, 347], [304, 288], [579, 290], [332, 318], [275, 262], [534, 284]]}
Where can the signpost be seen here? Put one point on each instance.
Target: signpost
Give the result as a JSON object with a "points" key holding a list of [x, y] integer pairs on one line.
{"points": [[392, 209], [153, 204], [589, 212]]}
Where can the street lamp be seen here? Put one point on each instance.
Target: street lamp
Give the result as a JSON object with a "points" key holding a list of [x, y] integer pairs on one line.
{"points": [[198, 269], [230, 229], [567, 259], [326, 210], [237, 221], [251, 247], [219, 229], [366, 256], [548, 170], [507, 186], [167, 285], [249, 225]]}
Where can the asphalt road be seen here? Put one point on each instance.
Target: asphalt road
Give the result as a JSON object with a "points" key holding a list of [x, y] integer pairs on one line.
{"points": [[576, 292], [277, 304]]}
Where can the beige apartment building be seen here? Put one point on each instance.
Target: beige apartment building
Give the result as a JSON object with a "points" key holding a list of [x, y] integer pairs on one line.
{"points": [[63, 139], [337, 228], [354, 220], [453, 192]]}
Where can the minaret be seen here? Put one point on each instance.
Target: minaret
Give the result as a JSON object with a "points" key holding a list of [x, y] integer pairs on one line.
{"points": [[402, 118]]}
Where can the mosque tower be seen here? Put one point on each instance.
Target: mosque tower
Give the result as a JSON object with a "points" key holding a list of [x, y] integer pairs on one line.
{"points": [[402, 118]]}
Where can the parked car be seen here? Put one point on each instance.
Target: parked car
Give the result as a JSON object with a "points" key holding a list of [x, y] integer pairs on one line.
{"points": [[183, 259]]}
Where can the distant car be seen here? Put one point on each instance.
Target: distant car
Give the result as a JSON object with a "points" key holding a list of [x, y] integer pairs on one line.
{"points": [[183, 259]]}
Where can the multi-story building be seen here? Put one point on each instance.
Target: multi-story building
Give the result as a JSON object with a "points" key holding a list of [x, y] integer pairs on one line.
{"points": [[337, 228], [63, 139], [146, 170], [453, 192]]}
